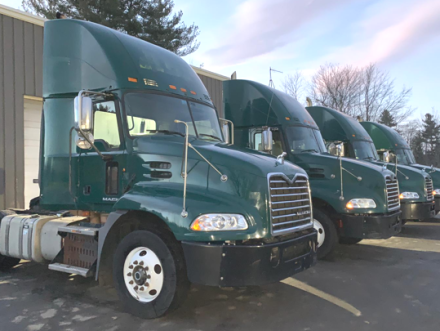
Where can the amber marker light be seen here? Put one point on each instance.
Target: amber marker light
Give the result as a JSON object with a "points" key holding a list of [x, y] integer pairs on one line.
{"points": [[133, 80], [173, 87], [182, 89], [349, 205], [192, 92], [287, 118]]}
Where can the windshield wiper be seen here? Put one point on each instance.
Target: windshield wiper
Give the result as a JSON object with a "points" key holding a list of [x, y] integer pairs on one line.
{"points": [[309, 150], [167, 132], [211, 136]]}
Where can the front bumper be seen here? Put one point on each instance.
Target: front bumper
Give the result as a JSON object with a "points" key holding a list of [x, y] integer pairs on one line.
{"points": [[369, 226], [417, 210], [218, 264], [437, 203]]}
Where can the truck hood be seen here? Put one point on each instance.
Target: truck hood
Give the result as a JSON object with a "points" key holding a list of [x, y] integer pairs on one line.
{"points": [[220, 155]]}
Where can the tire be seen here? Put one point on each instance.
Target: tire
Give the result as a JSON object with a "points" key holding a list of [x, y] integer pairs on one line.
{"points": [[161, 287], [325, 226], [349, 241], [7, 262]]}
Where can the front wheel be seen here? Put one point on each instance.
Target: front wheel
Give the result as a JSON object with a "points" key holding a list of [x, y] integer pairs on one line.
{"points": [[150, 275], [327, 235]]}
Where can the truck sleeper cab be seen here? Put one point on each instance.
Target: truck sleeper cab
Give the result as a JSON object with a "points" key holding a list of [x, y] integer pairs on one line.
{"points": [[416, 198], [386, 139], [352, 200], [137, 185]]}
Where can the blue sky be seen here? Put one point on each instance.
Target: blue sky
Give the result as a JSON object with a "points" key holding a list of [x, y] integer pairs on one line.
{"points": [[401, 36]]}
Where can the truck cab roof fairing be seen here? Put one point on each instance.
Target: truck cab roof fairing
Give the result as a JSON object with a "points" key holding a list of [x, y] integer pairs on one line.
{"points": [[83, 55], [249, 103], [384, 137], [335, 125]]}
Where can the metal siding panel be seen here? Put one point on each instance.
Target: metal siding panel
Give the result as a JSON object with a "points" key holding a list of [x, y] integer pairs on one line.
{"points": [[2, 121], [38, 47], [19, 79], [9, 106], [29, 59]]}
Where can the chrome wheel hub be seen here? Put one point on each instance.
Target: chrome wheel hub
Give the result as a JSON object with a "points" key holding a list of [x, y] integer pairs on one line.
{"points": [[143, 274], [321, 233]]}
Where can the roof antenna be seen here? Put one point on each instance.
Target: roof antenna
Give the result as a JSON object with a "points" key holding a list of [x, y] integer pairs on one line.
{"points": [[271, 84]]}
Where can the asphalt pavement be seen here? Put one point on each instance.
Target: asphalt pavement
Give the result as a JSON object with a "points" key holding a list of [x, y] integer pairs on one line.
{"points": [[375, 285]]}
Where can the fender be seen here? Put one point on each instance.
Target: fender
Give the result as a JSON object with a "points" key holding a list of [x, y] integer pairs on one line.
{"points": [[165, 200]]}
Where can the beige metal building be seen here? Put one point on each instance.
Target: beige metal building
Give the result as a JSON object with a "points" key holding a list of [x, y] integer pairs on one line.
{"points": [[21, 80]]}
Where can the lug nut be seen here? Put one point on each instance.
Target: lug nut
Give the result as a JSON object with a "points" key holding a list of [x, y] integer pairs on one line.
{"points": [[146, 284], [130, 267], [131, 282], [148, 276], [135, 262], [142, 263], [141, 289], [136, 288], [129, 274]]}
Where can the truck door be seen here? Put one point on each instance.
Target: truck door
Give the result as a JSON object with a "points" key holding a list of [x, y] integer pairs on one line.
{"points": [[100, 181]]}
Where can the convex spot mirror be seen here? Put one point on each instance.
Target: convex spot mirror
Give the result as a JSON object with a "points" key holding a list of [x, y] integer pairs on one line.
{"points": [[82, 142], [83, 109], [266, 140]]}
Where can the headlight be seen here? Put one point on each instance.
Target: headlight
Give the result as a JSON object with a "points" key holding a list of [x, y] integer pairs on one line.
{"points": [[360, 203], [436, 191], [219, 222], [408, 195]]}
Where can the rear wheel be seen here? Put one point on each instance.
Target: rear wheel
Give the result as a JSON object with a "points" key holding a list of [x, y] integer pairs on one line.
{"points": [[327, 235], [150, 274]]}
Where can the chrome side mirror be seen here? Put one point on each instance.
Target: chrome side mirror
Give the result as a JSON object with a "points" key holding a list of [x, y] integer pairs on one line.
{"points": [[386, 157], [83, 113], [336, 149], [266, 140], [226, 133]]}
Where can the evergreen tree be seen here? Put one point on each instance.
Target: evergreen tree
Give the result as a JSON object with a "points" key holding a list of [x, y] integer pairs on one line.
{"points": [[150, 20], [417, 148], [386, 118], [431, 138]]}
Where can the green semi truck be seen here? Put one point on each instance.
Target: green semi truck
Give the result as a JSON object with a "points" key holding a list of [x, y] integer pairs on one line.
{"points": [[352, 200], [391, 146], [416, 198], [138, 185]]}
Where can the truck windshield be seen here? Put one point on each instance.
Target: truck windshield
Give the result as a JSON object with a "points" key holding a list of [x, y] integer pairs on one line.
{"points": [[304, 139], [153, 113], [405, 156], [365, 150]]}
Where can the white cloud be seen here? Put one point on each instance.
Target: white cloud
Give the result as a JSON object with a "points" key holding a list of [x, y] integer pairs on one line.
{"points": [[259, 27], [391, 34]]}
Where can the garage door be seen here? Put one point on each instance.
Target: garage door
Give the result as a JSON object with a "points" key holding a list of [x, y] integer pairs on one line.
{"points": [[32, 123]]}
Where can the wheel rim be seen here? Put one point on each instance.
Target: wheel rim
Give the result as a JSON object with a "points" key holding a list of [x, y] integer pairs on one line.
{"points": [[321, 233], [143, 274]]}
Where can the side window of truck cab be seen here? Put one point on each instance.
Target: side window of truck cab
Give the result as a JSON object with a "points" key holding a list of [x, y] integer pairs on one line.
{"points": [[106, 129]]}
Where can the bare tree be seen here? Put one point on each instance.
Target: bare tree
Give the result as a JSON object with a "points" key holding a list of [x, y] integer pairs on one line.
{"points": [[378, 93], [294, 84], [337, 87], [364, 92]]}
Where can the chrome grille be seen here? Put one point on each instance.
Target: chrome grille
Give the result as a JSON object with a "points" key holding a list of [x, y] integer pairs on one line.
{"points": [[290, 204], [392, 193], [428, 184]]}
